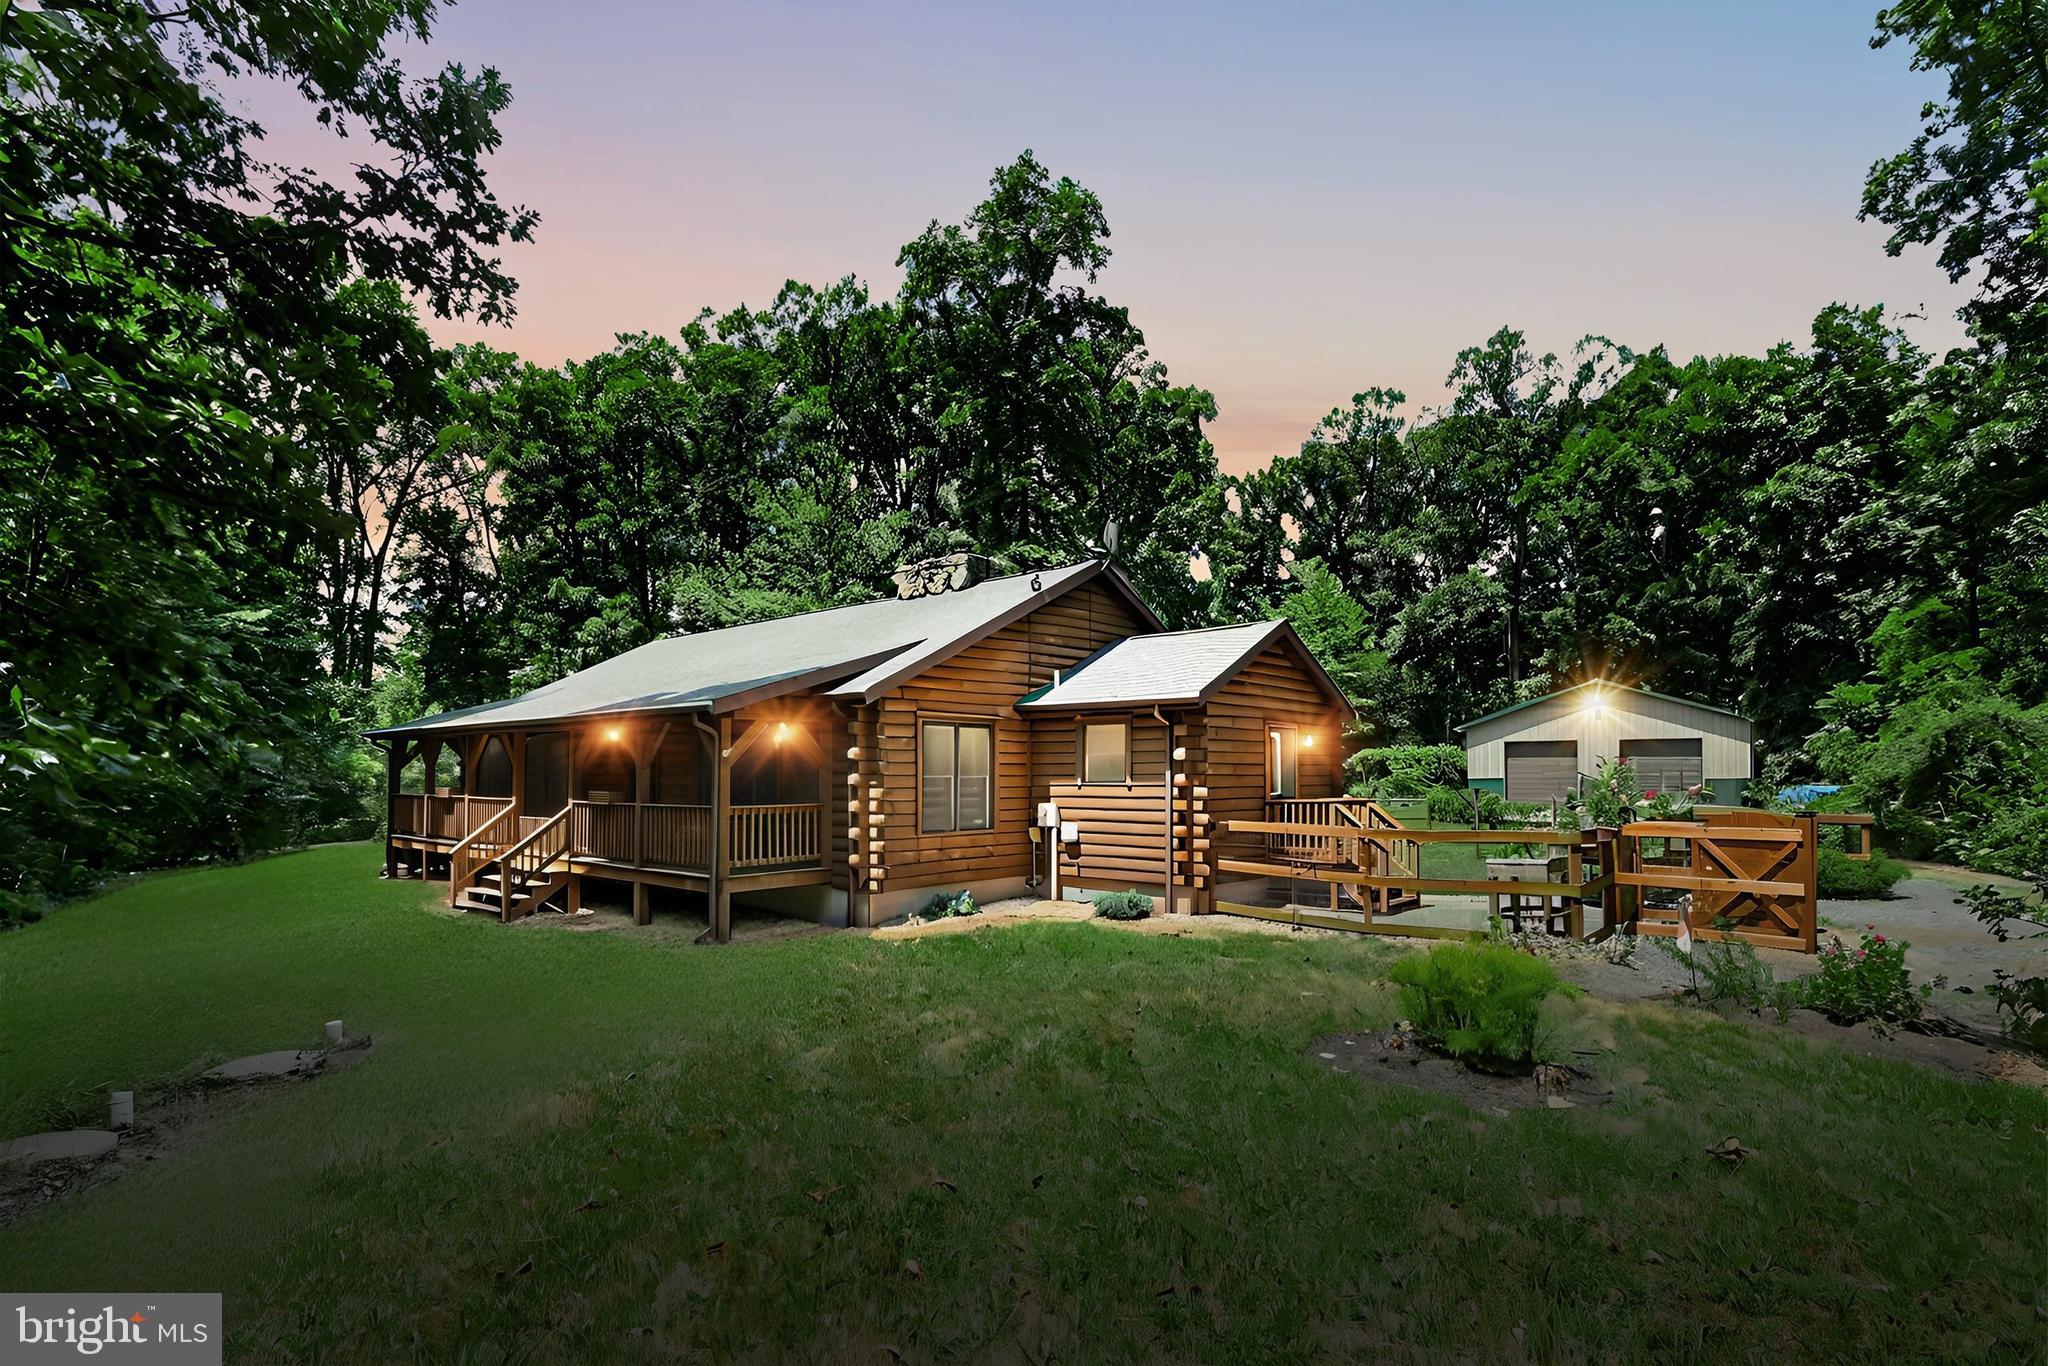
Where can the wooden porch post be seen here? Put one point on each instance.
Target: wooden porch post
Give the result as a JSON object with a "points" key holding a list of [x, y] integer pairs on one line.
{"points": [[515, 745], [394, 764], [721, 836]]}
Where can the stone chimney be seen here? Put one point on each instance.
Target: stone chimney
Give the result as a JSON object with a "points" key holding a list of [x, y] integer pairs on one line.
{"points": [[945, 574]]}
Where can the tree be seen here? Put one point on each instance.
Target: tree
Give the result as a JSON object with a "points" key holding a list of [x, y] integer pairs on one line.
{"points": [[170, 295], [1051, 416], [1974, 182]]}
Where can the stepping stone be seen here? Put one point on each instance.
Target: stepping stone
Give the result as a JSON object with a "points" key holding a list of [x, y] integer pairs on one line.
{"points": [[284, 1062], [66, 1143]]}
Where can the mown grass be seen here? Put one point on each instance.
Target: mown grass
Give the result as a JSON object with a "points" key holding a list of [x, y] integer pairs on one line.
{"points": [[1054, 1141]]}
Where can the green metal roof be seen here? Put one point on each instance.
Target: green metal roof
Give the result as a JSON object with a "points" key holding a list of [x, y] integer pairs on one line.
{"points": [[856, 652], [1611, 686]]}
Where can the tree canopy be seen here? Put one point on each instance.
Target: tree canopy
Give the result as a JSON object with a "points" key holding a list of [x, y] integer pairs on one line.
{"points": [[249, 507]]}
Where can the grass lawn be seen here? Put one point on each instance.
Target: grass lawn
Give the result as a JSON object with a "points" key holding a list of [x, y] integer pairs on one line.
{"points": [[1045, 1141]]}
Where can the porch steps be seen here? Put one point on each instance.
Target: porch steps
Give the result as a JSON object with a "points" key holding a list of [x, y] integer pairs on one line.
{"points": [[486, 895]]}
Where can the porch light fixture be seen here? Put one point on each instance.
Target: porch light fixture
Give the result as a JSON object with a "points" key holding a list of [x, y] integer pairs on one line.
{"points": [[781, 731], [613, 734], [1308, 740]]}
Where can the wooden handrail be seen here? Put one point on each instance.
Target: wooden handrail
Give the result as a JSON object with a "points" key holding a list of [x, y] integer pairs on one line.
{"points": [[465, 861], [520, 864]]}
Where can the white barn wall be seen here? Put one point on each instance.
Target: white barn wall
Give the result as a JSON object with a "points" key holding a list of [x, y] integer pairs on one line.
{"points": [[1726, 752]]}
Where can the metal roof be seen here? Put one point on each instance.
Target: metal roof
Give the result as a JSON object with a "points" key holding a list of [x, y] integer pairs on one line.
{"points": [[864, 650], [1172, 667], [1611, 686]]}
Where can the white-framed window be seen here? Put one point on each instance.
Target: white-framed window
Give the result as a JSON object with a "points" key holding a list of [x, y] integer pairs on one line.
{"points": [[958, 771], [1105, 752], [1283, 761]]}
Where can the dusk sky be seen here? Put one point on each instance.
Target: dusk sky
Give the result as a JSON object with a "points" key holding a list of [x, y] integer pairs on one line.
{"points": [[1305, 200]]}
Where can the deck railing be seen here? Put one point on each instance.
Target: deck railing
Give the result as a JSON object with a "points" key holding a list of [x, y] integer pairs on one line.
{"points": [[408, 814], [764, 836], [443, 816], [675, 836], [1347, 812]]}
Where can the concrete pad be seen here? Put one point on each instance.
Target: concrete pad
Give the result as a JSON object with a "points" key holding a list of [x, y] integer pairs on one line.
{"points": [[64, 1143], [282, 1063]]}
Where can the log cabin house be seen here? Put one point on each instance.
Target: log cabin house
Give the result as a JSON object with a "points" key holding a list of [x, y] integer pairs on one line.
{"points": [[844, 765]]}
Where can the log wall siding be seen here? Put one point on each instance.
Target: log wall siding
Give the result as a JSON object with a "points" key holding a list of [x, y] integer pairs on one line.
{"points": [[1122, 844], [1231, 757], [981, 683]]}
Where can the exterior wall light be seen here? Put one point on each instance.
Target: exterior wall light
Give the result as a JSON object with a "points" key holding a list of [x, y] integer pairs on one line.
{"points": [[613, 734]]}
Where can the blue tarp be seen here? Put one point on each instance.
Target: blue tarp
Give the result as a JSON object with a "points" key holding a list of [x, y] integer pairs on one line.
{"points": [[1806, 792]]}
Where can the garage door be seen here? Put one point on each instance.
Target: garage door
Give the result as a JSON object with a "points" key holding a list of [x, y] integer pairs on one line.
{"points": [[1664, 765], [1541, 770]]}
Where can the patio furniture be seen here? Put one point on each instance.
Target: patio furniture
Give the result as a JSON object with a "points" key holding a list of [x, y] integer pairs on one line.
{"points": [[1512, 905]]}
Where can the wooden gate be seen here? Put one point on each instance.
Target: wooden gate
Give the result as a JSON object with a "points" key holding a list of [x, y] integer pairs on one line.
{"points": [[1752, 871]]}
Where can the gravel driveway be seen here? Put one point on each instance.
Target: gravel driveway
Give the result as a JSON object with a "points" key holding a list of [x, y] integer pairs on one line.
{"points": [[1944, 938]]}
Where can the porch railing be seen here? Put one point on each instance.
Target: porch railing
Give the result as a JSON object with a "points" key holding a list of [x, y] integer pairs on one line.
{"points": [[449, 817], [408, 814], [675, 836], [764, 836], [1347, 812]]}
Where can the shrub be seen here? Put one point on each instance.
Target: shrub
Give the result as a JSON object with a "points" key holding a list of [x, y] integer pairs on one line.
{"points": [[1453, 805], [2022, 1001], [1611, 797], [944, 904], [1869, 982], [1409, 770], [1842, 878], [1132, 905], [1479, 1002]]}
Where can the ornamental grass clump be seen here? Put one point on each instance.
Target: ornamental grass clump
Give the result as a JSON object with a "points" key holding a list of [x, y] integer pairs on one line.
{"points": [[1478, 1002], [1869, 982]]}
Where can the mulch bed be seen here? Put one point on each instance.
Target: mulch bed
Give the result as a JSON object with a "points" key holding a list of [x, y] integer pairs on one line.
{"points": [[1397, 1057]]}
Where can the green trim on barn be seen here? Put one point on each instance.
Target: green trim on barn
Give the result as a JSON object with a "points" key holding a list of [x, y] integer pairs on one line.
{"points": [[1498, 786]]}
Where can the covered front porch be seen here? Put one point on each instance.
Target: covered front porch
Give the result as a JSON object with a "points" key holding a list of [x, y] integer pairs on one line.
{"points": [[517, 818]]}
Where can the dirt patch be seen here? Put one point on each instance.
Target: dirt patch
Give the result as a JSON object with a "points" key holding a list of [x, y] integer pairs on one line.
{"points": [[168, 1121], [1023, 910], [1397, 1057]]}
